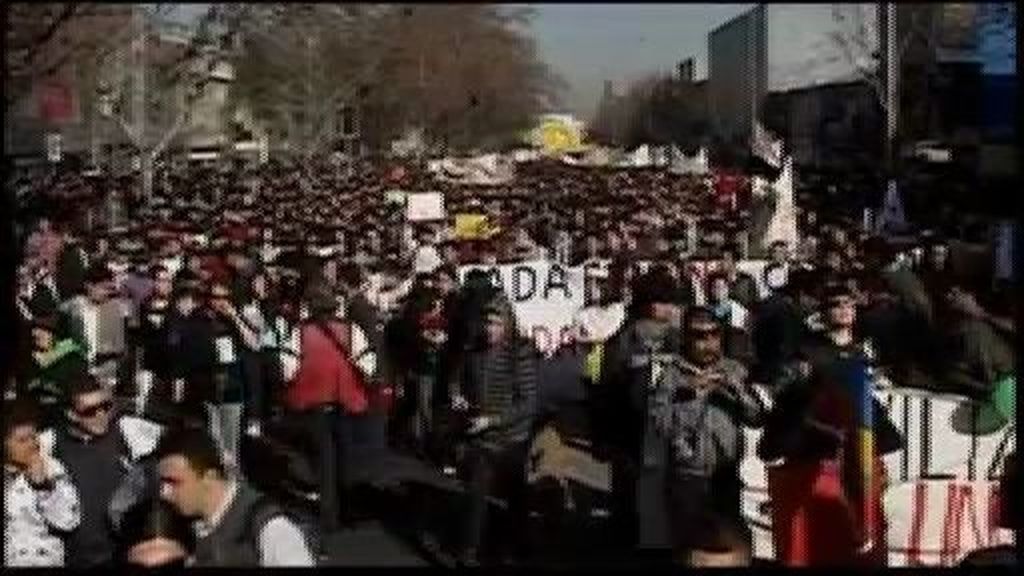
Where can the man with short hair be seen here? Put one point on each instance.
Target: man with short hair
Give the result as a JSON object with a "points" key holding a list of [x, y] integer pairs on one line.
{"points": [[98, 450], [701, 403], [236, 526]]}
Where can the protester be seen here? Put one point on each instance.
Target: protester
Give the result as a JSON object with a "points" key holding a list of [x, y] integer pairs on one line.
{"points": [[742, 286], [329, 396], [780, 326], [98, 324], [41, 501], [98, 450], [814, 449], [734, 316], [235, 526], [56, 363], [174, 312], [233, 338], [497, 382], [701, 402], [624, 426], [191, 345]]}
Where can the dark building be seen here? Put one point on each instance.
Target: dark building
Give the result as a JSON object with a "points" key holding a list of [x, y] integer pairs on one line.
{"points": [[833, 126]]}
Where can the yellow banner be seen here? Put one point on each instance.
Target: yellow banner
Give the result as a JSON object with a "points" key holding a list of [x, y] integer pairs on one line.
{"points": [[471, 226]]}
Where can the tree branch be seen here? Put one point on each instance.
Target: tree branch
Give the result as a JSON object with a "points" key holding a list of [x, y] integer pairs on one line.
{"points": [[65, 15]]}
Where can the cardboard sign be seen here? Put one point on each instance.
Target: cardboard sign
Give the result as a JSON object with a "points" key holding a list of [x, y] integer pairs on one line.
{"points": [[424, 207], [545, 296]]}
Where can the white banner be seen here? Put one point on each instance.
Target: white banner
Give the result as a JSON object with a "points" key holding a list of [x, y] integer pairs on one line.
{"points": [[767, 276], [54, 151], [424, 207], [937, 504], [766, 145], [782, 227], [696, 164], [487, 170], [545, 295]]}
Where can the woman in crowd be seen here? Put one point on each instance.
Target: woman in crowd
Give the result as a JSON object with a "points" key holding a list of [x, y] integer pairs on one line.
{"points": [[41, 504]]}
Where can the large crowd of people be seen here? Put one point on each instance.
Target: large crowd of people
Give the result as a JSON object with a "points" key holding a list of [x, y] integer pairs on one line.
{"points": [[198, 374]]}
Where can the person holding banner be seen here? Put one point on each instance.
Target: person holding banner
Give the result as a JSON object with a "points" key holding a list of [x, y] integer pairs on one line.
{"points": [[822, 445]]}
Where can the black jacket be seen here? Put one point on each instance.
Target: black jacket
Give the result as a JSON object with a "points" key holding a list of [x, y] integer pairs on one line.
{"points": [[778, 331], [620, 402], [811, 417], [191, 345]]}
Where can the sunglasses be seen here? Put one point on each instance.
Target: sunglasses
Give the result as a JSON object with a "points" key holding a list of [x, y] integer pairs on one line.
{"points": [[89, 411]]}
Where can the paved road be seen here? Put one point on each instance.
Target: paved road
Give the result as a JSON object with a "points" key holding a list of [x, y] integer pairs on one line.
{"points": [[371, 544]]}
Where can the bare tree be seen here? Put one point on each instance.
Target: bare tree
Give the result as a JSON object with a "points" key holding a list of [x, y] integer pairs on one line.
{"points": [[922, 32], [150, 85], [467, 75], [44, 39]]}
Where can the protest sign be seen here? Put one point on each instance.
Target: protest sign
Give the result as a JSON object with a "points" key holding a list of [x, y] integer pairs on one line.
{"points": [[471, 226], [424, 207], [766, 145], [782, 226], [767, 276], [939, 500], [54, 149], [545, 296], [395, 197]]}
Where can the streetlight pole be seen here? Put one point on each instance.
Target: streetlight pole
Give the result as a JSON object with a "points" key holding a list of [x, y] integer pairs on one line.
{"points": [[145, 163], [892, 102]]}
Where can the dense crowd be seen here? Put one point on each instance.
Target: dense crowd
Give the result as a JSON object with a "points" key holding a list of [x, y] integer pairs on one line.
{"points": [[187, 363]]}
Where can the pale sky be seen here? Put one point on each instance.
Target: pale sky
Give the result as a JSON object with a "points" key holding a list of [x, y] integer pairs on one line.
{"points": [[589, 43]]}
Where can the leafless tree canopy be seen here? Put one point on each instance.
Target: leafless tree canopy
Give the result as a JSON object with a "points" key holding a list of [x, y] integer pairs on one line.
{"points": [[656, 109], [467, 74]]}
